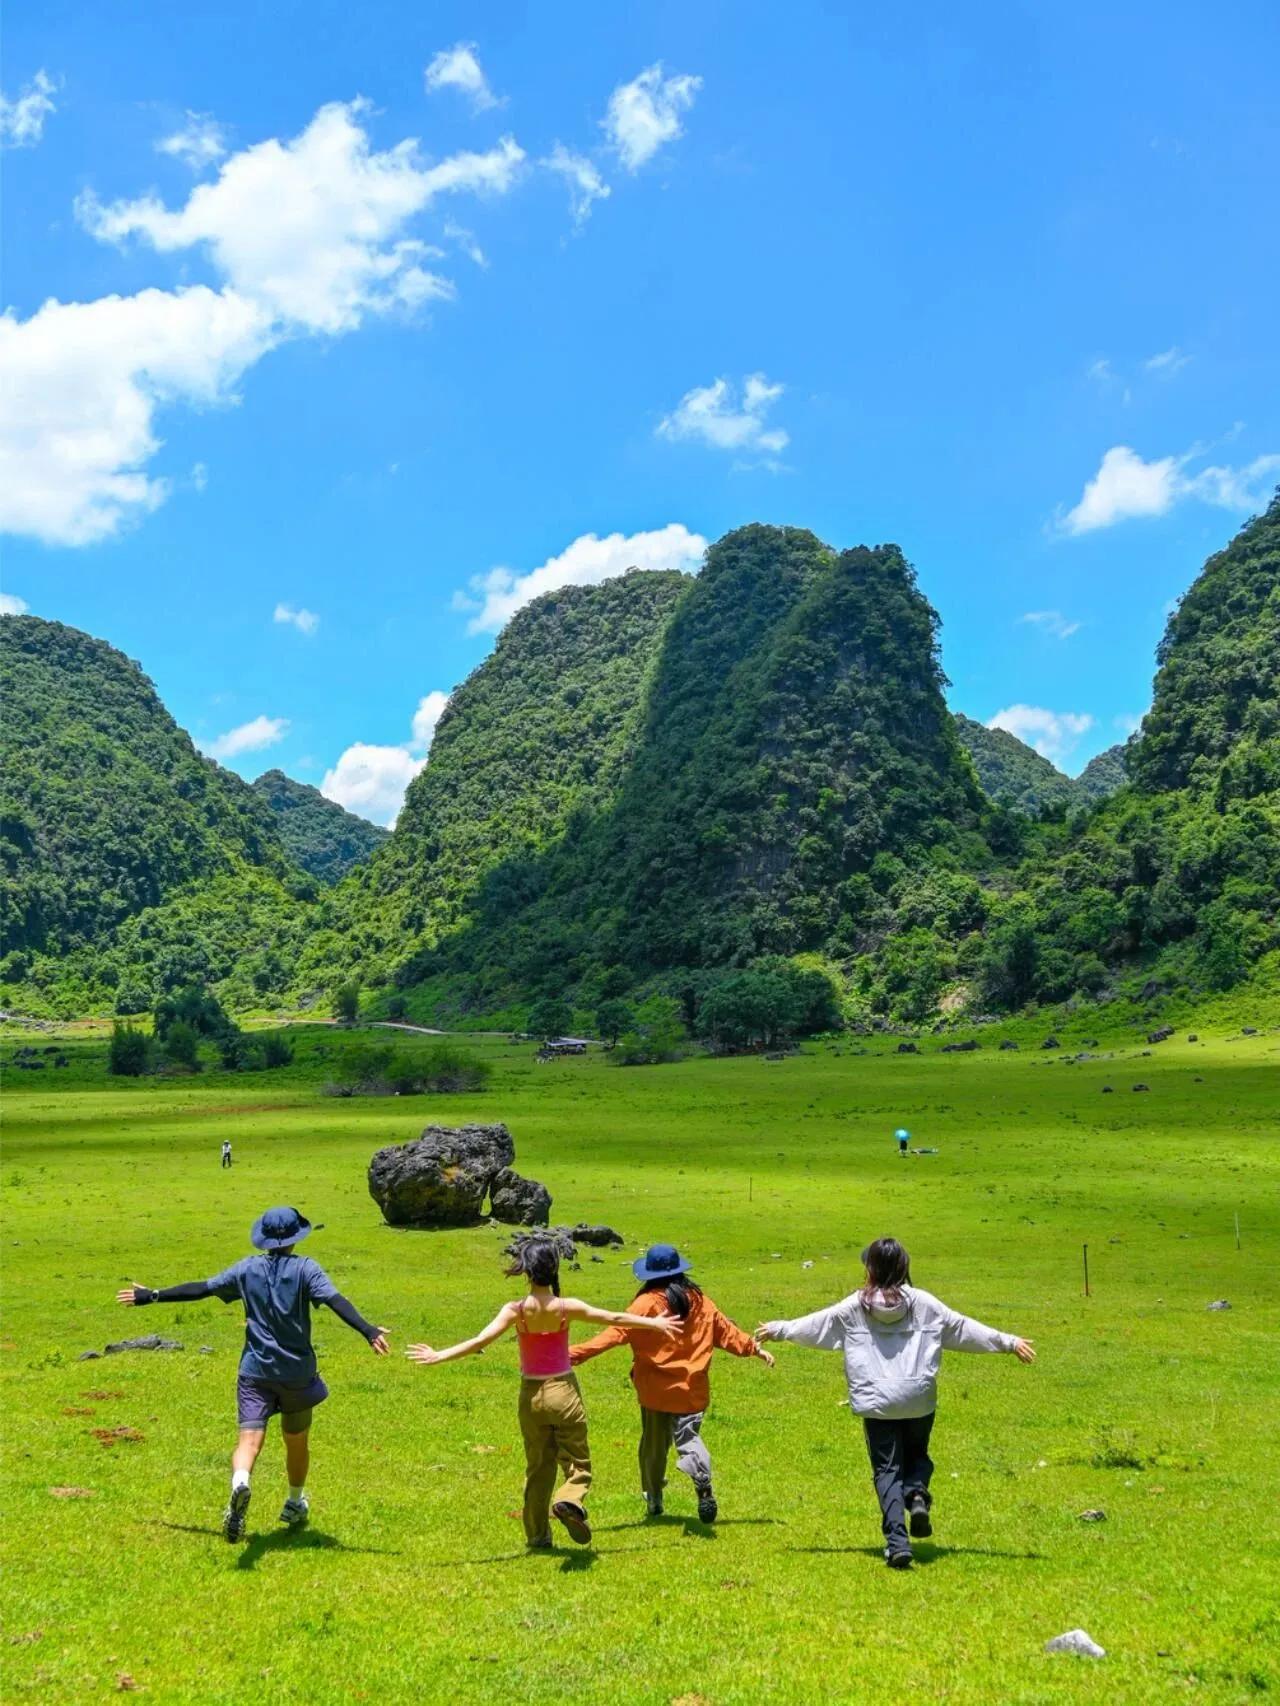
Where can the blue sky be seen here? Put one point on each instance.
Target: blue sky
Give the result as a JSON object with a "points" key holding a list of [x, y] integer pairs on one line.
{"points": [[329, 327]]}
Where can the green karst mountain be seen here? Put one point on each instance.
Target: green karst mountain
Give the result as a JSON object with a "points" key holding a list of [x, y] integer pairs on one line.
{"points": [[658, 781], [1011, 772], [317, 834], [114, 826]]}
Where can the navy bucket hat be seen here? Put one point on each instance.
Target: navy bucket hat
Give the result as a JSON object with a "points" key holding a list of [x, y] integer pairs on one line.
{"points": [[659, 1262], [278, 1228]]}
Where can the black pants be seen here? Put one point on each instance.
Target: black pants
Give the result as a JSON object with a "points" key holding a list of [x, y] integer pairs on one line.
{"points": [[226, 1160], [901, 1466]]}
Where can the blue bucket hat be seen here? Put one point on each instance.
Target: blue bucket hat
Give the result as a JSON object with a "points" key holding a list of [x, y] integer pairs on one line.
{"points": [[279, 1227], [660, 1261]]}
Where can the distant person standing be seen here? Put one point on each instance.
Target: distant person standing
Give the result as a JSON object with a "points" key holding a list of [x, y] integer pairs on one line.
{"points": [[904, 1139], [278, 1374], [226, 1152]]}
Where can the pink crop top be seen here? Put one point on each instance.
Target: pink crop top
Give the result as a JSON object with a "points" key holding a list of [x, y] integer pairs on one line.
{"points": [[543, 1355]]}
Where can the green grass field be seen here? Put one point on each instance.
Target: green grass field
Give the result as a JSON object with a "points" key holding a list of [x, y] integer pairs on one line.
{"points": [[412, 1582]]}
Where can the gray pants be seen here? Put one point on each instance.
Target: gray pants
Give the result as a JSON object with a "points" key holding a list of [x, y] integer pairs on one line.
{"points": [[659, 1431]]}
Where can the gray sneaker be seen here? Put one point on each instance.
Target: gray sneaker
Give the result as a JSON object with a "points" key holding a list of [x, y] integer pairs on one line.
{"points": [[234, 1515], [296, 1512]]}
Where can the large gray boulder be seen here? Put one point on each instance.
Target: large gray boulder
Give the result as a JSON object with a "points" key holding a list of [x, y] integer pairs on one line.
{"points": [[442, 1177], [517, 1201]]}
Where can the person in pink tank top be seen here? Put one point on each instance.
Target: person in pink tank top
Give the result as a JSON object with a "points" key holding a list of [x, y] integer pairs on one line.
{"points": [[553, 1419]]}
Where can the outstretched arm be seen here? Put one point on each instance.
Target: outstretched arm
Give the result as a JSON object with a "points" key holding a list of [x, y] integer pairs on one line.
{"points": [[577, 1310], [609, 1340], [191, 1291], [961, 1333], [824, 1330], [467, 1347], [346, 1311], [726, 1335]]}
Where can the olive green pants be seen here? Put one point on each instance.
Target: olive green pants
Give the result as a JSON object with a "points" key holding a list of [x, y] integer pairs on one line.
{"points": [[553, 1421]]}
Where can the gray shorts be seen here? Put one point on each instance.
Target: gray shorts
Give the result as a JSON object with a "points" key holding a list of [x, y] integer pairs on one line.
{"points": [[258, 1400]]}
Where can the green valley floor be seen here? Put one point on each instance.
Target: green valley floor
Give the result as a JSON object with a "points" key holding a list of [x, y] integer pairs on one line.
{"points": [[412, 1583]]}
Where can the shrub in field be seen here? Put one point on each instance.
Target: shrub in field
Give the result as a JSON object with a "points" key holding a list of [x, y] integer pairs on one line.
{"points": [[182, 1045], [657, 1034], [380, 1069], [129, 1053]]}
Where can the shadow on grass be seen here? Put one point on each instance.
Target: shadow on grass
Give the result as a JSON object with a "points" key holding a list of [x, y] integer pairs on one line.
{"points": [[280, 1540], [690, 1524], [921, 1553]]}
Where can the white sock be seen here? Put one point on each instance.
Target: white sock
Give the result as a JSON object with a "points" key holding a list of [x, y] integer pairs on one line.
{"points": [[239, 1478], [297, 1494]]}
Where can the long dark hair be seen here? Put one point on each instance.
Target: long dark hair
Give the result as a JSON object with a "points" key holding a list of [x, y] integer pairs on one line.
{"points": [[538, 1260], [888, 1269], [680, 1293]]}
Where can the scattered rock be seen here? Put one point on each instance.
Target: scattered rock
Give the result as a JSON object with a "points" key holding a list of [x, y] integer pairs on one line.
{"points": [[1142, 1086], [442, 1177], [1092, 1516], [806, 1264], [1008, 1043], [517, 1201], [149, 1342], [1091, 1042], [1192, 1037], [1051, 1042], [908, 1048], [1107, 1090], [1248, 1031], [89, 1356], [1076, 1641], [599, 1237], [1160, 1036], [966, 1047], [206, 1350], [1220, 1303]]}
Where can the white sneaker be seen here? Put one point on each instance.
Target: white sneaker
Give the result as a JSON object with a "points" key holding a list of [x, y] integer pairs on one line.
{"points": [[296, 1512]]}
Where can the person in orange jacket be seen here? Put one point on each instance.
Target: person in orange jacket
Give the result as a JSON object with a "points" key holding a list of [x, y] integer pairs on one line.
{"points": [[670, 1375]]}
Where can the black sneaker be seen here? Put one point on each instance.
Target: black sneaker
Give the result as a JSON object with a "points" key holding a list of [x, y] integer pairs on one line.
{"points": [[921, 1527], [235, 1513], [708, 1509], [898, 1560], [652, 1504], [574, 1519]]}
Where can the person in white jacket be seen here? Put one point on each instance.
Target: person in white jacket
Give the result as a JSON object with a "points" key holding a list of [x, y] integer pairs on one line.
{"points": [[893, 1336]]}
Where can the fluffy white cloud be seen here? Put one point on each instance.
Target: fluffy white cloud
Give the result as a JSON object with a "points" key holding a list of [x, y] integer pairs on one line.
{"points": [[309, 237], [305, 621], [1126, 486], [1168, 362], [496, 596], [458, 67], [311, 228], [1053, 734], [371, 780], [645, 113], [12, 605], [22, 120], [1051, 622], [714, 414], [248, 737], [81, 384], [200, 143], [586, 186]]}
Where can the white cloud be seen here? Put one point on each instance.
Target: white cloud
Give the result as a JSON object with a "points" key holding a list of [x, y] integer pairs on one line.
{"points": [[466, 241], [586, 186], [645, 113], [371, 780], [1053, 734], [1128, 722], [1125, 486], [311, 228], [199, 475], [22, 120], [498, 594], [1100, 370], [1168, 362], [200, 143], [82, 382], [458, 67], [1051, 622], [248, 737], [305, 621], [12, 605], [309, 237], [713, 414]]}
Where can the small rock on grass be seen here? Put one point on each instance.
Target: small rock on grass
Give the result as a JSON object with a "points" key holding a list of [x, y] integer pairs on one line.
{"points": [[1076, 1641], [148, 1342], [1221, 1303], [1092, 1516]]}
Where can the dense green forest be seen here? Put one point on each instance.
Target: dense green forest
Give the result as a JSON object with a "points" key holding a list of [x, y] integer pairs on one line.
{"points": [[318, 835], [707, 790]]}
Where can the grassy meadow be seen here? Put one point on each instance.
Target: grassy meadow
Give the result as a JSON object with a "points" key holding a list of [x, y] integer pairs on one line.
{"points": [[412, 1582]]}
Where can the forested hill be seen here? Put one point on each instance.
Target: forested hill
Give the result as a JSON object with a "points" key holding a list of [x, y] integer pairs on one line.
{"points": [[318, 835], [107, 806], [1104, 773], [1012, 772]]}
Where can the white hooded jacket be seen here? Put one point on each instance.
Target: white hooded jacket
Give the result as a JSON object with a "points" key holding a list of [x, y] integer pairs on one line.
{"points": [[892, 1349]]}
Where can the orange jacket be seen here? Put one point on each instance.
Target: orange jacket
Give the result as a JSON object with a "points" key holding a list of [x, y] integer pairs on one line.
{"points": [[671, 1374]]}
